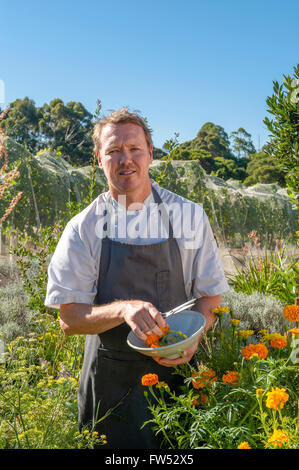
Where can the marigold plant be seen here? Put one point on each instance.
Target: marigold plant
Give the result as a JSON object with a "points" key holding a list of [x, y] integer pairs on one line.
{"points": [[231, 377], [200, 399], [149, 379], [244, 445], [291, 312], [278, 438], [278, 342], [259, 349], [277, 398], [203, 378]]}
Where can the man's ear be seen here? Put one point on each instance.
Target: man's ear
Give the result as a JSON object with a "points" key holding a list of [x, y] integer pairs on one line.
{"points": [[99, 159], [151, 153]]}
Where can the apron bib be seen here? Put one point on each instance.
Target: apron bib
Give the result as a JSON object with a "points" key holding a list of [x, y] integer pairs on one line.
{"points": [[111, 373]]}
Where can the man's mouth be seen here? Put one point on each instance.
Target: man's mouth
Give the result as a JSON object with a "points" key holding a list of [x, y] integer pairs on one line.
{"points": [[127, 172]]}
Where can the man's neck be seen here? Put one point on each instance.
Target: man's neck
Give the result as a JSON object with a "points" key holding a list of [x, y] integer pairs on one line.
{"points": [[132, 201]]}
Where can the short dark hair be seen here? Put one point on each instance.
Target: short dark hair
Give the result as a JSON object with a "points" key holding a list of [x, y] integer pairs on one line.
{"points": [[120, 116]]}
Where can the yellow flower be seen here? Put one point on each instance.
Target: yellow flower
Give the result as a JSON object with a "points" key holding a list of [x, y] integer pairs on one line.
{"points": [[263, 332], [219, 311], [162, 384], [245, 333], [294, 331], [235, 321], [291, 312], [259, 349], [278, 438], [244, 445], [276, 398], [61, 380], [259, 391]]}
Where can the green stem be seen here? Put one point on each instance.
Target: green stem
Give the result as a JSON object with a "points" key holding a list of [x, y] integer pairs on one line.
{"points": [[247, 414]]}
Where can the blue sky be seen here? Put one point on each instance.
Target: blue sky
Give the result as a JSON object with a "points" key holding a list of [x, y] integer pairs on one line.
{"points": [[180, 63]]}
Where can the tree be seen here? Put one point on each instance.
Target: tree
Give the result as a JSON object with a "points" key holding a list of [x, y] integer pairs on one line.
{"points": [[262, 169], [67, 130], [212, 139], [284, 128], [62, 128], [158, 153], [242, 143], [21, 123]]}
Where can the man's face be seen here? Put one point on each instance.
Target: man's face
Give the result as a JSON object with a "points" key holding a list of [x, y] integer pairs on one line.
{"points": [[125, 158]]}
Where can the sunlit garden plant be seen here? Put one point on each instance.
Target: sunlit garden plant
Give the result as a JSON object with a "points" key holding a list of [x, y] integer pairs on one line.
{"points": [[272, 272], [241, 392]]}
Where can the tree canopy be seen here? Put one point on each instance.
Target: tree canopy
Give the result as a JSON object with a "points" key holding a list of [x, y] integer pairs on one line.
{"points": [[64, 128]]}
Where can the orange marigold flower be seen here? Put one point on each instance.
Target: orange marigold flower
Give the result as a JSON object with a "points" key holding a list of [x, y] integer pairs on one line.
{"points": [[259, 349], [278, 341], [291, 312], [276, 398], [152, 339], [204, 378], [197, 383], [149, 379], [201, 399], [244, 445], [278, 438], [231, 377]]}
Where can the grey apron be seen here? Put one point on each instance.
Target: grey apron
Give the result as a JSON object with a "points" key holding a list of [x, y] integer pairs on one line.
{"points": [[111, 373]]}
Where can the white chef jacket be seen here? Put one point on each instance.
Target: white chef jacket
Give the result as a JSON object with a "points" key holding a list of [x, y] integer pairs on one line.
{"points": [[74, 268]]}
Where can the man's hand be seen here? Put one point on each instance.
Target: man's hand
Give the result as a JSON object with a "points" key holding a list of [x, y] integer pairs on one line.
{"points": [[187, 356], [142, 317]]}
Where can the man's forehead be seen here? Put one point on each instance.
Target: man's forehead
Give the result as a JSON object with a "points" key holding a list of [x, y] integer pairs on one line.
{"points": [[115, 132]]}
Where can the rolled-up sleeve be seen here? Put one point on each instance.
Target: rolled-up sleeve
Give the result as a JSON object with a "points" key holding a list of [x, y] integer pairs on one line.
{"points": [[208, 273], [72, 274]]}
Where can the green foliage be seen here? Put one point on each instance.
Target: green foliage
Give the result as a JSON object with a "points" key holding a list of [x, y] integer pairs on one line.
{"points": [[38, 390], [213, 139], [224, 408], [242, 143], [63, 128], [48, 184], [262, 169], [22, 123], [284, 129], [231, 209], [67, 129], [271, 273]]}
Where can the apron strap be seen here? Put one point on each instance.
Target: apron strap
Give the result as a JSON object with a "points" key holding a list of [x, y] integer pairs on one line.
{"points": [[163, 212]]}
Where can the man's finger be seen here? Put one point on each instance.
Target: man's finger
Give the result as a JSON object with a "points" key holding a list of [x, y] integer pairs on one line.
{"points": [[156, 315]]}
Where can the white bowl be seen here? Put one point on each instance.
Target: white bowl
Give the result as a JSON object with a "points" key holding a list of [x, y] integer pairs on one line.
{"points": [[189, 322]]}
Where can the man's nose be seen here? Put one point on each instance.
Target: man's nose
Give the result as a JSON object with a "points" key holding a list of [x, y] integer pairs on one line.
{"points": [[125, 155]]}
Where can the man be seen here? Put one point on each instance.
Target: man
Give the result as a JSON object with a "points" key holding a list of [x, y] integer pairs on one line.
{"points": [[113, 272]]}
